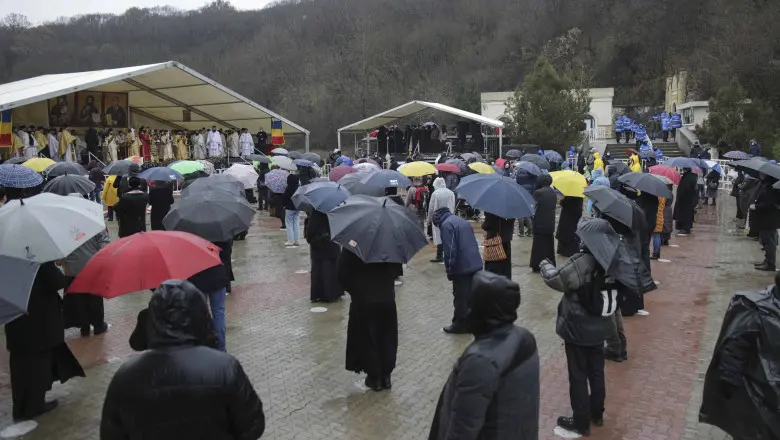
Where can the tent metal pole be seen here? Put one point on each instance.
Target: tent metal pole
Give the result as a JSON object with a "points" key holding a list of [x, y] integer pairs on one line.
{"points": [[500, 142], [338, 137], [307, 142]]}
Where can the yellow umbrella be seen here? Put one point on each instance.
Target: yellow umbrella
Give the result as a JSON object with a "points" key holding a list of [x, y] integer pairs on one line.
{"points": [[39, 164], [417, 169], [569, 183], [482, 168]]}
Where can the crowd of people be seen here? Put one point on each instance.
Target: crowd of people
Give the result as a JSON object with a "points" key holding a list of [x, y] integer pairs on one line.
{"points": [[182, 332]]}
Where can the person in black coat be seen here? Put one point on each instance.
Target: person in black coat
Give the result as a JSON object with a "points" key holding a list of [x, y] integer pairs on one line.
{"points": [[160, 199], [766, 221], [122, 184], [543, 246], [372, 330], [131, 209], [493, 390], [36, 343], [571, 212], [214, 282], [496, 226], [292, 214], [685, 202], [325, 286], [262, 190], [649, 205], [182, 378]]}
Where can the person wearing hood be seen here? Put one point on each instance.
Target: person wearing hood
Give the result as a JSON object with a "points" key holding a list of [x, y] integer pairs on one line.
{"points": [[566, 234], [324, 254], [712, 182], [685, 203], [498, 244], [528, 182], [543, 246], [584, 319], [122, 184], [461, 261], [613, 175], [442, 197], [181, 377], [598, 179], [160, 199], [571, 157], [766, 221], [109, 196], [80, 309], [131, 209], [598, 164], [755, 148], [590, 159], [372, 328], [38, 354], [634, 164], [493, 390]]}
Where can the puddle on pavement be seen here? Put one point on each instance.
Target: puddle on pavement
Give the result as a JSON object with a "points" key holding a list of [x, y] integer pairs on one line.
{"points": [[674, 245], [560, 432], [318, 309], [19, 429], [664, 260], [301, 271]]}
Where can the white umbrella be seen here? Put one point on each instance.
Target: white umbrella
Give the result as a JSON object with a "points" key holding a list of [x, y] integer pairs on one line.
{"points": [[279, 151], [48, 227], [245, 174], [285, 163]]}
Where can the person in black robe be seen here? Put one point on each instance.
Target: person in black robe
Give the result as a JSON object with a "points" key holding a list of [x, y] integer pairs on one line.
{"points": [[372, 331], [131, 209], [36, 343], [649, 205], [571, 212], [161, 199], [496, 226], [325, 286], [685, 202], [543, 247]]}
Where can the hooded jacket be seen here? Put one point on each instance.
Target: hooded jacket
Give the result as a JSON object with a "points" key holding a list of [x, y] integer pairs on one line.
{"points": [[205, 392], [613, 177], [461, 251], [598, 164], [122, 184], [597, 179], [493, 390], [442, 197], [634, 164], [546, 201], [526, 180]]}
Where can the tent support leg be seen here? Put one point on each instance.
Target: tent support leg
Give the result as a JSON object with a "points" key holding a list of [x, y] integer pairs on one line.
{"points": [[500, 142], [307, 142]]}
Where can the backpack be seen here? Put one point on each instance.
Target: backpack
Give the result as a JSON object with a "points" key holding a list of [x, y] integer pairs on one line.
{"points": [[421, 197], [600, 299]]}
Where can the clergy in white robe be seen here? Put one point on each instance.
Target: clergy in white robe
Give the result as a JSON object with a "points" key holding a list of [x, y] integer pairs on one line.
{"points": [[166, 141], [232, 142], [30, 147], [198, 146], [246, 143], [111, 143], [54, 145], [214, 143]]}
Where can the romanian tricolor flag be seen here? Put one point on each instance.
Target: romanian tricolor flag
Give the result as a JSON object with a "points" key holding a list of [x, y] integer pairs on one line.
{"points": [[6, 130], [277, 133]]}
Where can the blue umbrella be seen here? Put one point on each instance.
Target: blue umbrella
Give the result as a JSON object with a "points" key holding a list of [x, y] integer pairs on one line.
{"points": [[386, 179], [303, 163], [344, 160], [685, 162], [497, 195], [161, 174], [530, 168], [737, 155], [319, 196], [553, 156], [18, 176]]}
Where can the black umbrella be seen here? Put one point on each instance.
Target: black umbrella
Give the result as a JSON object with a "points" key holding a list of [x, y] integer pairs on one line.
{"points": [[761, 166], [16, 160], [513, 154], [212, 215], [614, 254], [352, 183], [537, 160], [295, 155], [376, 229], [386, 179], [321, 196], [63, 168], [118, 168], [69, 184], [216, 182], [685, 162], [646, 182], [18, 276], [312, 157], [611, 203], [619, 167], [262, 158]]}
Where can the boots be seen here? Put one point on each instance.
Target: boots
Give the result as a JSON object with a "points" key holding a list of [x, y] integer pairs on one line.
{"points": [[439, 254], [655, 256]]}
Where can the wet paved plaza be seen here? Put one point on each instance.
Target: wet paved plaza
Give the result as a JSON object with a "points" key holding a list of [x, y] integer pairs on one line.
{"points": [[295, 357]]}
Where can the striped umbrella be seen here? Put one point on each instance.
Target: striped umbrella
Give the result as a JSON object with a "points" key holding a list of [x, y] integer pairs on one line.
{"points": [[18, 176]]}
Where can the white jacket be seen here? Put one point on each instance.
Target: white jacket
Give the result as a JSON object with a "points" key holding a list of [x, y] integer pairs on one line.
{"points": [[441, 198]]}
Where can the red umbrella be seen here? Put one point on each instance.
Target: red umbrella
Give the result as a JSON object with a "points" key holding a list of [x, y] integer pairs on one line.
{"points": [[448, 167], [668, 172], [340, 171], [143, 261], [500, 163]]}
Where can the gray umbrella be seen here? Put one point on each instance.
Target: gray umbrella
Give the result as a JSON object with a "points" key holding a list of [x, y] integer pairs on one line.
{"points": [[262, 158], [537, 160], [312, 157], [619, 167], [63, 168], [218, 182], [513, 154], [611, 203], [376, 229], [614, 254], [295, 155], [320, 196], [386, 179], [352, 183], [18, 276], [646, 182], [17, 160], [69, 184], [757, 164], [118, 168], [211, 215]]}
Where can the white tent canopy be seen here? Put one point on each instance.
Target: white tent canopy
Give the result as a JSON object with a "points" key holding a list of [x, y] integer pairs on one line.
{"points": [[411, 108], [164, 92]]}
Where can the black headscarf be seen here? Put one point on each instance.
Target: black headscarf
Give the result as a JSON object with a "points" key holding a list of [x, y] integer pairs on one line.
{"points": [[494, 304], [180, 316]]}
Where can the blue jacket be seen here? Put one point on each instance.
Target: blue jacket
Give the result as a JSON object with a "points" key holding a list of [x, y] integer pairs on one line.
{"points": [[641, 132], [644, 150], [526, 180], [666, 123], [461, 251], [659, 155], [676, 120], [755, 149], [572, 152], [619, 125]]}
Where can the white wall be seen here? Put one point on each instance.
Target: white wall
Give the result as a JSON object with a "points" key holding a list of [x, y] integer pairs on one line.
{"points": [[494, 105]]}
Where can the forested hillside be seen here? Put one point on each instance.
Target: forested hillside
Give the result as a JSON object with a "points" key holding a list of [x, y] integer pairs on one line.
{"points": [[325, 63]]}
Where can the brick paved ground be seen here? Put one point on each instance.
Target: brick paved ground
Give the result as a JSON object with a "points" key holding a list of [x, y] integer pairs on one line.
{"points": [[295, 357]]}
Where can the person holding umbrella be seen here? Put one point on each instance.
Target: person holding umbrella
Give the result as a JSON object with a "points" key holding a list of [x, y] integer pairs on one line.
{"points": [[122, 184], [685, 202], [131, 209], [543, 247], [767, 220], [571, 212], [441, 197], [712, 182], [292, 214], [527, 180], [83, 310], [325, 286], [160, 199]]}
